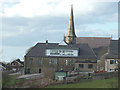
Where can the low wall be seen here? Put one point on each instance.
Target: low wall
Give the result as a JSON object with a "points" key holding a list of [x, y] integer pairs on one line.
{"points": [[104, 75], [32, 76]]}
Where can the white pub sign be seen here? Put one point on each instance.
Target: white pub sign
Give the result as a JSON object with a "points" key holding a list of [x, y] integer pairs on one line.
{"points": [[61, 52]]}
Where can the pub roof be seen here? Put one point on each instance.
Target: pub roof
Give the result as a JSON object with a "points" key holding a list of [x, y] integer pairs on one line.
{"points": [[39, 50]]}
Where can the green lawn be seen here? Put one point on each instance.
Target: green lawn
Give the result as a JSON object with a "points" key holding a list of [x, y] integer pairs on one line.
{"points": [[104, 83], [9, 80]]}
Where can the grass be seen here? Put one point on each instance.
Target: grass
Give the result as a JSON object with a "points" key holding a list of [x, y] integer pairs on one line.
{"points": [[9, 80], [104, 83], [19, 80]]}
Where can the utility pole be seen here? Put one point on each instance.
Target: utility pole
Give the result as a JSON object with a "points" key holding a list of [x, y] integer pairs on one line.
{"points": [[119, 63], [119, 45], [119, 74]]}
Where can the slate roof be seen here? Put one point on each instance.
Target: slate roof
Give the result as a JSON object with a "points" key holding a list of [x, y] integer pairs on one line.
{"points": [[100, 51], [18, 61], [114, 49], [40, 48], [94, 42]]}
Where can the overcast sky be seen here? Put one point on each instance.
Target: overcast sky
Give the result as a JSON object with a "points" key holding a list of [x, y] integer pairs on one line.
{"points": [[26, 22]]}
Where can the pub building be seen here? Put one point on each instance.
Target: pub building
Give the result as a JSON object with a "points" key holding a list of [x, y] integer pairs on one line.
{"points": [[48, 57]]}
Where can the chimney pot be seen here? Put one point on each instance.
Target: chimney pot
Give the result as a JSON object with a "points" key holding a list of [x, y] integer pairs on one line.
{"points": [[46, 41]]}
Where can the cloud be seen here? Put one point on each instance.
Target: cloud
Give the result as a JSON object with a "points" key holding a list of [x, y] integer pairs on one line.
{"points": [[26, 22], [19, 32], [53, 27], [31, 8], [10, 53], [95, 32]]}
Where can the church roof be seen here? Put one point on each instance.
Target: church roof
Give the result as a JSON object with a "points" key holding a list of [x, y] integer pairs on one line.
{"points": [[39, 50], [114, 49], [94, 42]]}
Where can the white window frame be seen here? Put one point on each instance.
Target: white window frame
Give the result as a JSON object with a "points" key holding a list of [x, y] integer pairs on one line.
{"points": [[80, 64], [53, 61], [69, 62], [114, 61], [39, 62]]}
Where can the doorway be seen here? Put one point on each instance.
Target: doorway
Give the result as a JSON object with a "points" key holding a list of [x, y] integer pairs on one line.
{"points": [[28, 71], [40, 70]]}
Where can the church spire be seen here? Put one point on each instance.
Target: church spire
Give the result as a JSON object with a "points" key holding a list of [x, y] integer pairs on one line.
{"points": [[71, 37]]}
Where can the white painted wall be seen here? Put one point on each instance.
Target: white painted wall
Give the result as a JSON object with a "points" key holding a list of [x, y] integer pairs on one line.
{"points": [[109, 66], [62, 52]]}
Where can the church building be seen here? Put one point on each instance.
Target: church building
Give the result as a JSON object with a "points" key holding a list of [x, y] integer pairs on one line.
{"points": [[50, 57]]}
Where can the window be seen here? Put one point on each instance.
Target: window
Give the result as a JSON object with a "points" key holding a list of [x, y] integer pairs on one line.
{"points": [[81, 65], [13, 64], [90, 66], [112, 61], [52, 61], [39, 61], [27, 71], [69, 62], [30, 61]]}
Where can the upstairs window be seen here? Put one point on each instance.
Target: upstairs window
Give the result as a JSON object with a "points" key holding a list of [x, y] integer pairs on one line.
{"points": [[31, 61], [13, 64], [90, 66], [69, 62], [40, 62], [53, 61], [81, 65], [113, 61]]}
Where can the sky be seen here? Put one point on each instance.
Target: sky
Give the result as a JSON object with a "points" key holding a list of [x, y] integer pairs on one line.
{"points": [[24, 23]]}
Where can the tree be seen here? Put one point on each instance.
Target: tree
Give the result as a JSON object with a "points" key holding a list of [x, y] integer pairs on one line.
{"points": [[29, 49], [9, 67]]}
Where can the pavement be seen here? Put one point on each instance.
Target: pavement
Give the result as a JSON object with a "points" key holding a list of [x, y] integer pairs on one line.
{"points": [[31, 76], [14, 73]]}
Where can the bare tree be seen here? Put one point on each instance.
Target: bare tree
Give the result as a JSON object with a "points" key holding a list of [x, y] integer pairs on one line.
{"points": [[29, 49]]}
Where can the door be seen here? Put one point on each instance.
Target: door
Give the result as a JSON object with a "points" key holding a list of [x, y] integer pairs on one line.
{"points": [[60, 77], [40, 70], [28, 71]]}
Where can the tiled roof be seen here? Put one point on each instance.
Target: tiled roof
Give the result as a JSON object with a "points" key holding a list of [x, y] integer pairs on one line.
{"points": [[94, 42], [114, 49], [40, 48]]}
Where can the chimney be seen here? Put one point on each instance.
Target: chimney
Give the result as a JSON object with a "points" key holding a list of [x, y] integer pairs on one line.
{"points": [[46, 42]]}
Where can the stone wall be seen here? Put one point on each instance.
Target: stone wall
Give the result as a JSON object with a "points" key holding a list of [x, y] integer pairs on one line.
{"points": [[48, 69], [86, 69], [104, 75]]}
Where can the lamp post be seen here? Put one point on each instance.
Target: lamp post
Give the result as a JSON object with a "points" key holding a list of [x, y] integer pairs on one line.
{"points": [[119, 45], [119, 74], [119, 63]]}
